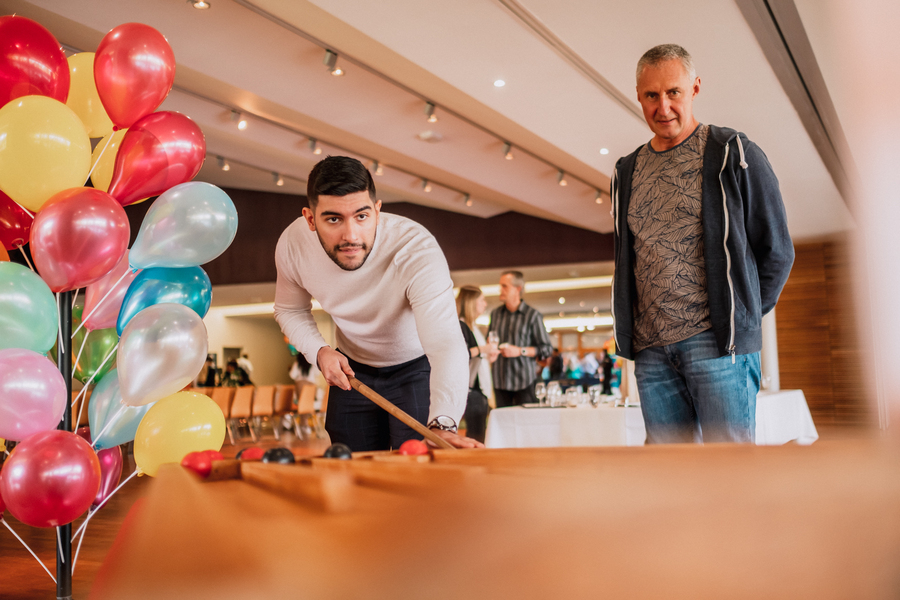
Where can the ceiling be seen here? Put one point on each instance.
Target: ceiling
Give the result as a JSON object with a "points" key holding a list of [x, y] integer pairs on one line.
{"points": [[568, 104]]}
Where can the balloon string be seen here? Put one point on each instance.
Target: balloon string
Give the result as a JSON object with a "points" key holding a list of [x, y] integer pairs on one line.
{"points": [[40, 562], [30, 214], [59, 327], [108, 423], [80, 350], [59, 546], [84, 389], [83, 533], [20, 248], [99, 156], [96, 306], [105, 500]]}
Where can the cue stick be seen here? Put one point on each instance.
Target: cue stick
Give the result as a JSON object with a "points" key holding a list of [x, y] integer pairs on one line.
{"points": [[389, 406]]}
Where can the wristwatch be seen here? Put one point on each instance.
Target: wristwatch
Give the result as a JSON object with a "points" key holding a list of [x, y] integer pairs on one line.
{"points": [[444, 423]]}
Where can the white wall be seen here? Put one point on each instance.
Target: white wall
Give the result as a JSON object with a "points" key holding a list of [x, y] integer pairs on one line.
{"points": [[261, 339]]}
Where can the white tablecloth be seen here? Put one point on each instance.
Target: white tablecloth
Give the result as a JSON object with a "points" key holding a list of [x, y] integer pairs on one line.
{"points": [[781, 417]]}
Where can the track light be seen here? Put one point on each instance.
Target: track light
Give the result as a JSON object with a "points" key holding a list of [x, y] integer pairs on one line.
{"points": [[314, 146], [238, 118], [429, 112], [223, 164], [278, 179], [561, 179], [598, 198], [468, 200], [330, 63], [507, 151], [377, 168], [426, 186], [199, 4]]}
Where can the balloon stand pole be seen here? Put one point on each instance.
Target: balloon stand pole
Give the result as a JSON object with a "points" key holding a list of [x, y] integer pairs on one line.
{"points": [[64, 361]]}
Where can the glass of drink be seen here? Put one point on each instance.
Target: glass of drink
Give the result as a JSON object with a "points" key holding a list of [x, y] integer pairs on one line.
{"points": [[540, 391], [493, 338]]}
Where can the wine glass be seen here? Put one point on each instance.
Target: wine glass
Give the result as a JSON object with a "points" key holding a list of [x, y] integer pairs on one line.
{"points": [[554, 393], [493, 338], [573, 396], [540, 391]]}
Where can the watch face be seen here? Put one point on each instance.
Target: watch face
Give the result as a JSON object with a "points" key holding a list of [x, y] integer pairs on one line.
{"points": [[445, 421]]}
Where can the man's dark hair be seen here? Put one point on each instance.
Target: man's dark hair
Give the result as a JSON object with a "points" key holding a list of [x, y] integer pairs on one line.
{"points": [[338, 176]]}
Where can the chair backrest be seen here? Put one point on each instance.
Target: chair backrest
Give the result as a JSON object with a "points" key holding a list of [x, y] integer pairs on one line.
{"points": [[241, 402], [263, 400], [206, 391], [284, 399], [324, 406], [307, 398]]}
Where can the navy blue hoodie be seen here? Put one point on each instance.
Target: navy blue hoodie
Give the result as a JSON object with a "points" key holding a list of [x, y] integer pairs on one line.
{"points": [[747, 247]]}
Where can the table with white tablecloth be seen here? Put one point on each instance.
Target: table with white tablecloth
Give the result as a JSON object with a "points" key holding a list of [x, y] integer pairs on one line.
{"points": [[781, 417]]}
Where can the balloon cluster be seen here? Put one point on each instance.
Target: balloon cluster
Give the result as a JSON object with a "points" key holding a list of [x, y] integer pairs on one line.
{"points": [[144, 305]]}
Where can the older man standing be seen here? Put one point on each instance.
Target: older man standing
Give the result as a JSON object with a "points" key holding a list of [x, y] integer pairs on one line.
{"points": [[702, 252], [523, 341]]}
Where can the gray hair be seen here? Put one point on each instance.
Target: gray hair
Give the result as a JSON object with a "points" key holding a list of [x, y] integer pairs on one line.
{"points": [[664, 52], [518, 280]]}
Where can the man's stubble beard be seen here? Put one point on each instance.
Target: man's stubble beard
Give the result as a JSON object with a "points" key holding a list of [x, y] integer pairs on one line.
{"points": [[334, 256]]}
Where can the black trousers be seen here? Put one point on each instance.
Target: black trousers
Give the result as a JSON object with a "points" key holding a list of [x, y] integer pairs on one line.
{"points": [[355, 420], [506, 398], [476, 415]]}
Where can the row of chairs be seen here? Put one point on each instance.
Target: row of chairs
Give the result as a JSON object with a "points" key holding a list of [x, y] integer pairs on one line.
{"points": [[250, 405]]}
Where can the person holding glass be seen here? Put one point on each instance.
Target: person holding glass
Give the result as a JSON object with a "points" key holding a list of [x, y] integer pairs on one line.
{"points": [[470, 305]]}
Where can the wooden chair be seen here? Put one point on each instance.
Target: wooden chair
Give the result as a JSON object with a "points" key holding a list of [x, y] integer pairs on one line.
{"points": [[284, 406], [206, 391], [263, 405], [223, 396], [306, 408], [241, 410]]}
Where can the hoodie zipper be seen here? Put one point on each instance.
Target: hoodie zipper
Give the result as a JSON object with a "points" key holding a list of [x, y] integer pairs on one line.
{"points": [[731, 348]]}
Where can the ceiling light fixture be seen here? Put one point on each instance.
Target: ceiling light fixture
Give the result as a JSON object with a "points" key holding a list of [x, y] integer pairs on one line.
{"points": [[199, 4], [561, 179], [429, 112], [604, 151], [223, 164], [278, 179], [598, 198], [314, 146], [468, 200], [499, 83], [377, 168], [238, 118], [330, 63], [426, 186], [507, 151], [562, 300]]}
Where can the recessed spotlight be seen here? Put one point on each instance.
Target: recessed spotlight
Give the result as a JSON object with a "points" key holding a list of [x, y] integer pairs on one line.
{"points": [[499, 83], [580, 328], [604, 150], [591, 327], [199, 4], [562, 300], [596, 309]]}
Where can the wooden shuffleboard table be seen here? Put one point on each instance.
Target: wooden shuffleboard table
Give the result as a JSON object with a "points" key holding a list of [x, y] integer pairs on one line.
{"points": [[654, 522]]}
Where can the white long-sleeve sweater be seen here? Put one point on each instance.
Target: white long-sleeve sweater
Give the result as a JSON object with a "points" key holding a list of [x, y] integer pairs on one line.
{"points": [[398, 306]]}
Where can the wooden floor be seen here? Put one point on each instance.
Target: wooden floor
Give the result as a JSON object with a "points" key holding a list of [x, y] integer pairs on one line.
{"points": [[21, 578]]}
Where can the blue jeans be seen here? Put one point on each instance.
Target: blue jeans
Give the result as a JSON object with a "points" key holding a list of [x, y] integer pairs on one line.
{"points": [[691, 394]]}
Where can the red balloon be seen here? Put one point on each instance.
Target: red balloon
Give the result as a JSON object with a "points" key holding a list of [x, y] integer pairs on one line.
{"points": [[31, 61], [15, 223], [110, 467], [198, 462], [77, 237], [50, 479], [158, 152], [134, 69]]}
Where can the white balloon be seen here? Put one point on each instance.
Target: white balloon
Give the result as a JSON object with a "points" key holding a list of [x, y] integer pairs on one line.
{"points": [[161, 350]]}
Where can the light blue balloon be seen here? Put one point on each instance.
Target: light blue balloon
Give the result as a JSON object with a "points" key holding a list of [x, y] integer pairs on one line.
{"points": [[188, 225], [113, 427], [189, 286], [28, 312]]}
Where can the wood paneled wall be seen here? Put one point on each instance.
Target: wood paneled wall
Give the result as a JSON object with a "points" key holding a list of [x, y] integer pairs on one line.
{"points": [[818, 346]]}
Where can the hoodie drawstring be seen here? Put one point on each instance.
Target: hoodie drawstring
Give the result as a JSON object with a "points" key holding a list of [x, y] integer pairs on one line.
{"points": [[744, 164]]}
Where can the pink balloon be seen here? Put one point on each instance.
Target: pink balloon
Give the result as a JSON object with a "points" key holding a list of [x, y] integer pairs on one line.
{"points": [[31, 61], [77, 237], [110, 467], [32, 394], [50, 479], [158, 152], [107, 314], [134, 69]]}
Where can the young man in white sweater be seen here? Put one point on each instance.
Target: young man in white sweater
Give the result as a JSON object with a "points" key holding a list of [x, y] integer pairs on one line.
{"points": [[386, 284]]}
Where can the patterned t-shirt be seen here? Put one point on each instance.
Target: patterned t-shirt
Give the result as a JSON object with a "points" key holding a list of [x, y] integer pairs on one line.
{"points": [[664, 218]]}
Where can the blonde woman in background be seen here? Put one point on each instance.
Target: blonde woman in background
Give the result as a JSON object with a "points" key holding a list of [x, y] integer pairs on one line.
{"points": [[470, 304]]}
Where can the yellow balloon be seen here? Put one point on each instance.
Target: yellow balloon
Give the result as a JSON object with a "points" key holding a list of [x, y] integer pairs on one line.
{"points": [[176, 426], [83, 96], [44, 149], [105, 160]]}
